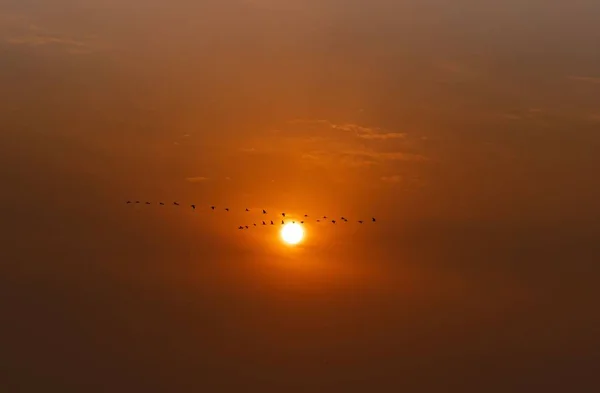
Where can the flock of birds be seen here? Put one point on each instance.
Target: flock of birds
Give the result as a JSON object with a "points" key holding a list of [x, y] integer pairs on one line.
{"points": [[264, 212]]}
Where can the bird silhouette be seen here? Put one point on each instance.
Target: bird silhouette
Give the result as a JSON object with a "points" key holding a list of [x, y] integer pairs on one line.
{"points": [[301, 222], [264, 211], [137, 201], [293, 222], [373, 219], [212, 207], [161, 203], [360, 221], [247, 210], [282, 222], [333, 221], [128, 202], [272, 222], [147, 203], [343, 218], [241, 227], [246, 226], [254, 224], [306, 215], [176, 204], [324, 217], [283, 214], [226, 209], [264, 223], [318, 220], [193, 207]]}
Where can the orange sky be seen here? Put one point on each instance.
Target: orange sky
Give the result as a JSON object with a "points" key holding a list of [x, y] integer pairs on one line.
{"points": [[470, 130]]}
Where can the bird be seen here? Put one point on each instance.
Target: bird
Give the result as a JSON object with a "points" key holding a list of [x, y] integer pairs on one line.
{"points": [[282, 222], [193, 207], [254, 224], [360, 221], [306, 215], [128, 202], [212, 207], [264, 223], [226, 209], [373, 219], [318, 220], [324, 217], [246, 226], [343, 218], [241, 227], [247, 210], [161, 203], [147, 203], [176, 204], [293, 222], [264, 211], [333, 221], [301, 222], [272, 222], [283, 214], [137, 201]]}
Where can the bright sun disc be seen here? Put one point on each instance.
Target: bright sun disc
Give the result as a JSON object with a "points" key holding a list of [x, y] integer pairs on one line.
{"points": [[292, 233]]}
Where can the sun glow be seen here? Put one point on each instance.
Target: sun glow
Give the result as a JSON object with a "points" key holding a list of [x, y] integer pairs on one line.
{"points": [[292, 233]]}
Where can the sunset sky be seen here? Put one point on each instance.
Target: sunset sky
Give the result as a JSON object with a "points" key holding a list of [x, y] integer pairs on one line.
{"points": [[470, 129]]}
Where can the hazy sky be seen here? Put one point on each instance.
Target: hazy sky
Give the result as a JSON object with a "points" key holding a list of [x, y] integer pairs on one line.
{"points": [[471, 129]]}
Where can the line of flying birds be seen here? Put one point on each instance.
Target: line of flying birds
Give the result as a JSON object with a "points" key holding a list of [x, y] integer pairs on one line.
{"points": [[264, 222]]}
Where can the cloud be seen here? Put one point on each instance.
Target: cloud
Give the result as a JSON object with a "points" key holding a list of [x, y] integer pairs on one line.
{"points": [[196, 179], [372, 133], [386, 156], [25, 33], [38, 40], [587, 79], [391, 179]]}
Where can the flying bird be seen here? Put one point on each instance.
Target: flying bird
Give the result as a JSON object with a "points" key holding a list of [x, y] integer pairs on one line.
{"points": [[318, 220], [241, 227], [147, 203], [324, 217], [282, 222], [272, 222], [333, 221], [360, 221], [264, 211], [373, 219], [137, 201], [212, 207], [283, 214], [306, 215], [128, 202], [264, 223], [176, 204], [301, 222], [254, 224], [161, 203], [246, 226], [226, 209], [193, 207], [247, 210]]}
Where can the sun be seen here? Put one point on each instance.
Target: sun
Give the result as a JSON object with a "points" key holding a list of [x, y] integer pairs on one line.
{"points": [[292, 233]]}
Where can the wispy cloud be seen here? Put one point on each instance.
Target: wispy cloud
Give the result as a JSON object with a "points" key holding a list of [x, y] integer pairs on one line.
{"points": [[25, 33], [391, 179], [196, 179], [588, 79], [373, 133]]}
